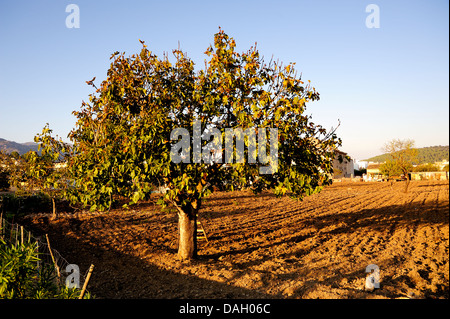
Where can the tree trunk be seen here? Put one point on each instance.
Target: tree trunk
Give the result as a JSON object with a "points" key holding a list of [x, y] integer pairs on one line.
{"points": [[54, 207], [187, 232], [407, 183]]}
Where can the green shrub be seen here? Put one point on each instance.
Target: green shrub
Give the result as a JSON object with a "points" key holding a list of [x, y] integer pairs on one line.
{"points": [[22, 277], [18, 270]]}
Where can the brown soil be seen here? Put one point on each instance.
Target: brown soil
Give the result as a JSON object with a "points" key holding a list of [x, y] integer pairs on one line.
{"points": [[266, 247]]}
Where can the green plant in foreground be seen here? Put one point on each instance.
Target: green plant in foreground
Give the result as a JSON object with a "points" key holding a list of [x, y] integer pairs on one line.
{"points": [[24, 276], [18, 265]]}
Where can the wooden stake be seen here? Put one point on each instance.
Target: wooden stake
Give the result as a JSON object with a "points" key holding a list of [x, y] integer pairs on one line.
{"points": [[21, 234], [53, 258], [86, 282]]}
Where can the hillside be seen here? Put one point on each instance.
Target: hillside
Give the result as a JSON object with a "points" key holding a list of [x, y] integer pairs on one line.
{"points": [[429, 154], [21, 148]]}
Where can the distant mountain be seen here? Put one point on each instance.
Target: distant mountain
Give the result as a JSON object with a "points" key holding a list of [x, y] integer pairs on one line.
{"points": [[429, 154], [21, 148]]}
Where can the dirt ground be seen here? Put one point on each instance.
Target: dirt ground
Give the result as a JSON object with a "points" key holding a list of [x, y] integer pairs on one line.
{"points": [[266, 247]]}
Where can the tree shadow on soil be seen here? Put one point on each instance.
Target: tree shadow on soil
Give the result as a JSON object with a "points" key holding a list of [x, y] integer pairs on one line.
{"points": [[122, 276]]}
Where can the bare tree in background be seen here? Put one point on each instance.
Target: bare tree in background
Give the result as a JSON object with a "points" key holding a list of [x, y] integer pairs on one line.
{"points": [[403, 154]]}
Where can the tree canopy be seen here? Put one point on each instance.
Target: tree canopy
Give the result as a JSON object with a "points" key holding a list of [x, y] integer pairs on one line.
{"points": [[403, 155], [36, 171], [127, 136]]}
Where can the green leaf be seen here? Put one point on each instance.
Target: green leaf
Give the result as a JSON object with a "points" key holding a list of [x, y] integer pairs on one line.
{"points": [[136, 197]]}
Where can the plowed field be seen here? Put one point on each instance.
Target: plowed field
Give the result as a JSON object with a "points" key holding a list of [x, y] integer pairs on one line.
{"points": [[267, 247]]}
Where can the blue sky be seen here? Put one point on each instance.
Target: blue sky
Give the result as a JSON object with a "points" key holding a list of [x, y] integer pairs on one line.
{"points": [[381, 83]]}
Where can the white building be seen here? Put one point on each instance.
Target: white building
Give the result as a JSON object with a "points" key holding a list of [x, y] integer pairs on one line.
{"points": [[342, 165], [360, 164], [441, 164]]}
